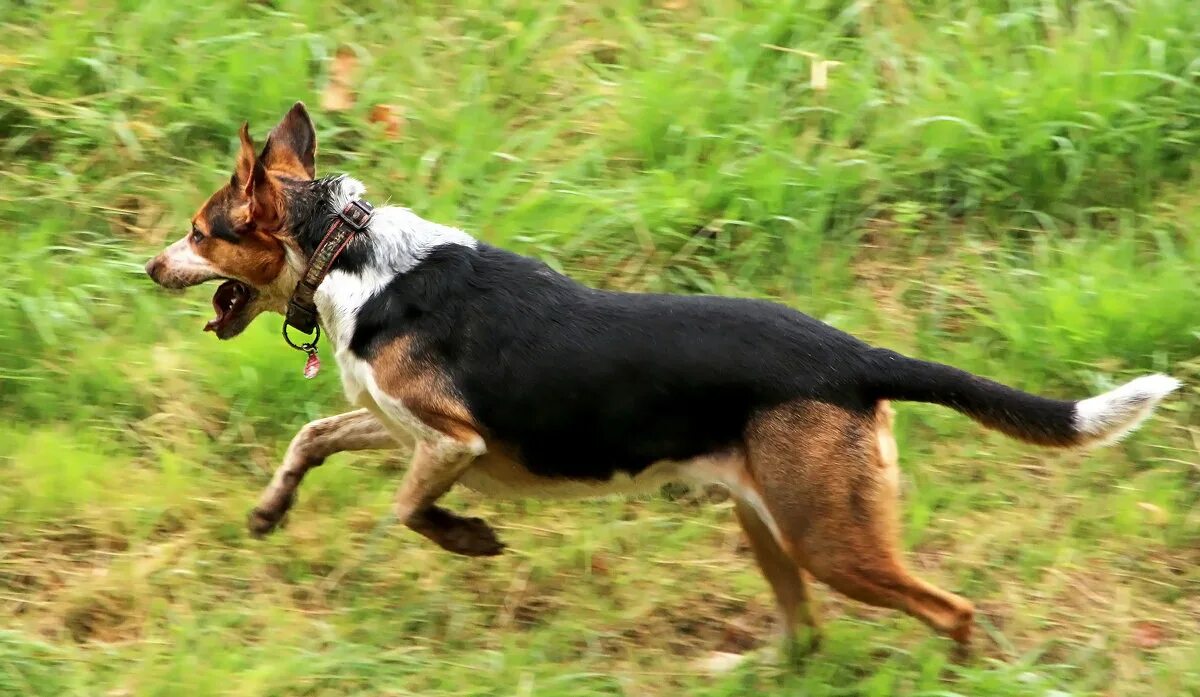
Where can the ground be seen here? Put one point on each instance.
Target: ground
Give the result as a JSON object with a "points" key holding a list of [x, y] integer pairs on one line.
{"points": [[1007, 186]]}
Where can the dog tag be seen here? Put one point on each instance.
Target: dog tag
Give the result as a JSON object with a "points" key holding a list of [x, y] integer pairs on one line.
{"points": [[312, 366]]}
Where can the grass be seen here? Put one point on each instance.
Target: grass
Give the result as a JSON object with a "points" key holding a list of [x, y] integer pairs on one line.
{"points": [[1005, 185]]}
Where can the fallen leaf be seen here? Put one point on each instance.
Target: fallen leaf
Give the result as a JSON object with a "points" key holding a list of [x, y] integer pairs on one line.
{"points": [[390, 117], [600, 565], [338, 95], [1147, 635]]}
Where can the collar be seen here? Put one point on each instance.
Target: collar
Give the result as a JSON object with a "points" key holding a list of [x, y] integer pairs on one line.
{"points": [[301, 310]]}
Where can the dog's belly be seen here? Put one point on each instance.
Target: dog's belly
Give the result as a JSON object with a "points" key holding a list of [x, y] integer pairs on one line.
{"points": [[502, 477]]}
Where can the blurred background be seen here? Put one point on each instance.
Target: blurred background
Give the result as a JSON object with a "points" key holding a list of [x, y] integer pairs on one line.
{"points": [[1006, 185]]}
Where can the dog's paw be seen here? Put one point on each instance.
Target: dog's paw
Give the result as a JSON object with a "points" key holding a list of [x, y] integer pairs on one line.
{"points": [[260, 523], [471, 537], [800, 646]]}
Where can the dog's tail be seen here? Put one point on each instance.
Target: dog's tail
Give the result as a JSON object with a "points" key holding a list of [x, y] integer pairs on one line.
{"points": [[1056, 422]]}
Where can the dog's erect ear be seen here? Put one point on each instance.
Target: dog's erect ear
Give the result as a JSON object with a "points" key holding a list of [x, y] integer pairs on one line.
{"points": [[290, 152], [245, 160], [291, 149], [265, 198]]}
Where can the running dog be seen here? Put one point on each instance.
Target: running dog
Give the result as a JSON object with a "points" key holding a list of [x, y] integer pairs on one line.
{"points": [[516, 381]]}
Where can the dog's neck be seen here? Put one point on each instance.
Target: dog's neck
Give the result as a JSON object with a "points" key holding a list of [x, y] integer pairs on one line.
{"points": [[396, 241], [312, 209]]}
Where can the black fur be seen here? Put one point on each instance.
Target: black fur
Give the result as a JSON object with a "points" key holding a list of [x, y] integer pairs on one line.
{"points": [[218, 216], [310, 216], [219, 226], [585, 383], [1016, 413]]}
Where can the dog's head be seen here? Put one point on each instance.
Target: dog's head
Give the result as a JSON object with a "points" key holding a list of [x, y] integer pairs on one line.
{"points": [[241, 235]]}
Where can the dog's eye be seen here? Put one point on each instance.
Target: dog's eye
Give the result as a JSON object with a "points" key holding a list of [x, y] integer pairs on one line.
{"points": [[197, 236]]}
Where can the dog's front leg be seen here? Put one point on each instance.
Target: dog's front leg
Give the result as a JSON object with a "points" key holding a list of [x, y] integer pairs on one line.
{"points": [[355, 430]]}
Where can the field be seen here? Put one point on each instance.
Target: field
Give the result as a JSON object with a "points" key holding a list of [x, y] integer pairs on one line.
{"points": [[1006, 185]]}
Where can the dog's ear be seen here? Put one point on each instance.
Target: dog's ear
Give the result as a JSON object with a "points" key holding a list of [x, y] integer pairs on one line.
{"points": [[265, 196], [290, 152], [245, 159], [264, 204], [291, 149]]}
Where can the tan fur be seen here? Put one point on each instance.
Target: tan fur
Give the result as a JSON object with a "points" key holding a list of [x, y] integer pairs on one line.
{"points": [[815, 488], [247, 156], [500, 473], [786, 578], [889, 458], [253, 203], [286, 153], [255, 212], [257, 258], [828, 477], [425, 390]]}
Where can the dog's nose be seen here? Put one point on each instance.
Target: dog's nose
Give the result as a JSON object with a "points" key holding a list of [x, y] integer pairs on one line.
{"points": [[152, 268]]}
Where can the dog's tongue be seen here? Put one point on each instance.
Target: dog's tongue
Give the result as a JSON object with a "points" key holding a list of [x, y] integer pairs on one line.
{"points": [[229, 297]]}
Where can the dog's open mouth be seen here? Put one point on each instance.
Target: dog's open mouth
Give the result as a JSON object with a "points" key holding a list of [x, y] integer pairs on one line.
{"points": [[229, 302]]}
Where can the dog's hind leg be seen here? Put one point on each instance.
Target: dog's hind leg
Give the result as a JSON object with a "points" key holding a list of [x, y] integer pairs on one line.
{"points": [[786, 578], [355, 430], [830, 481]]}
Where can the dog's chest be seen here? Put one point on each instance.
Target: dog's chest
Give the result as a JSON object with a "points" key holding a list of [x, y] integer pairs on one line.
{"points": [[339, 300], [356, 375]]}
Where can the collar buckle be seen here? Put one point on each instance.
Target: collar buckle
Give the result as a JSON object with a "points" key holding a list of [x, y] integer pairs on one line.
{"points": [[356, 214]]}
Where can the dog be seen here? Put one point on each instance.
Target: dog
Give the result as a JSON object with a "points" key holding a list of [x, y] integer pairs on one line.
{"points": [[516, 381]]}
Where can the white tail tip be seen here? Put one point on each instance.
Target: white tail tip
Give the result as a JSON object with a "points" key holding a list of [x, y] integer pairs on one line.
{"points": [[1109, 417]]}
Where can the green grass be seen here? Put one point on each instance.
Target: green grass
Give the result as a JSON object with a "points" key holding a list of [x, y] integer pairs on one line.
{"points": [[1005, 185]]}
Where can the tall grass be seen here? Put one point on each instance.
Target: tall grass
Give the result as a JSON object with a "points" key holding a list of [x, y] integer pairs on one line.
{"points": [[1004, 185]]}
